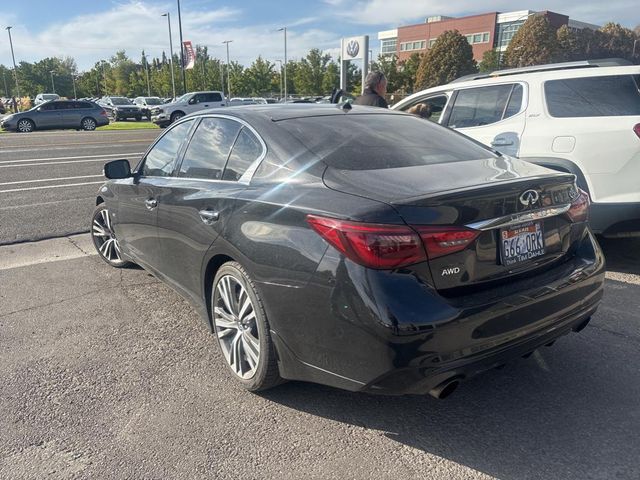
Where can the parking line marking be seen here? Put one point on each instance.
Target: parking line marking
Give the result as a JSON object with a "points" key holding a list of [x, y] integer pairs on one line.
{"points": [[50, 179], [44, 204], [80, 143], [104, 155], [53, 163], [48, 186]]}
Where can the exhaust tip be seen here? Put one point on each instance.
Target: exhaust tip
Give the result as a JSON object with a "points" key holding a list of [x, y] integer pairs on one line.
{"points": [[445, 389], [581, 326]]}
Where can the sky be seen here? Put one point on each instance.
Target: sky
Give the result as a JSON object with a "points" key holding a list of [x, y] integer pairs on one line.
{"points": [[95, 29]]}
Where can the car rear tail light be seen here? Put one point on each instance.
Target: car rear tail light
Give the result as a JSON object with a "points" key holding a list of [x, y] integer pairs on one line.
{"points": [[440, 241], [372, 245], [636, 129], [579, 211], [103, 113]]}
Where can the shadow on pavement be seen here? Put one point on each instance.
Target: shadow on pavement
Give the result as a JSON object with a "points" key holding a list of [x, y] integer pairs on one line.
{"points": [[570, 411], [622, 254]]}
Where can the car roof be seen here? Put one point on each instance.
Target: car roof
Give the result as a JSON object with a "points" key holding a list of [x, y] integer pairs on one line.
{"points": [[288, 111]]}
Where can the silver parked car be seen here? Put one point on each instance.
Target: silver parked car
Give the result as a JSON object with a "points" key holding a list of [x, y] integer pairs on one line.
{"points": [[58, 114]]}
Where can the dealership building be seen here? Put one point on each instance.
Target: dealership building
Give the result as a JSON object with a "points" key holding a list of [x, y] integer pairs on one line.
{"points": [[484, 32]]}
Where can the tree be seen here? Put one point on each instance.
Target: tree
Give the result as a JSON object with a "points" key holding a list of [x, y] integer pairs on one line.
{"points": [[331, 77], [408, 70], [533, 44], [259, 76], [450, 57], [310, 73], [489, 61], [617, 40]]}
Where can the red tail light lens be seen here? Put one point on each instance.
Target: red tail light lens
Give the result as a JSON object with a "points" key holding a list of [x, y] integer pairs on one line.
{"points": [[636, 129], [440, 241], [372, 245], [103, 113], [579, 211]]}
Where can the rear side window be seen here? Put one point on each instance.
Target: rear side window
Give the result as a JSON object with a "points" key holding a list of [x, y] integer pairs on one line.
{"points": [[208, 97], [475, 107], [161, 158], [209, 148], [245, 151], [593, 96], [377, 141]]}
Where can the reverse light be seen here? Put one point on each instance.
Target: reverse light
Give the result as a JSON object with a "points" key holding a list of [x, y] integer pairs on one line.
{"points": [[440, 241], [377, 246], [579, 211]]}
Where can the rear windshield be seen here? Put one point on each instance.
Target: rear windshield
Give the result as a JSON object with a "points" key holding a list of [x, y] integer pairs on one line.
{"points": [[372, 142], [593, 96], [50, 96], [153, 101]]}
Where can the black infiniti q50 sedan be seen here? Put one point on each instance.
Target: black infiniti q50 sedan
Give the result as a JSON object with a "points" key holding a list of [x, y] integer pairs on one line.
{"points": [[360, 248]]}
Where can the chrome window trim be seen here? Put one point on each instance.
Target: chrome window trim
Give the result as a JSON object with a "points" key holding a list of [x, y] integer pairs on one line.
{"points": [[517, 218]]}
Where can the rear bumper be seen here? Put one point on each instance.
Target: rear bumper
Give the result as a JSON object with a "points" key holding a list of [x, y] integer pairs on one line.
{"points": [[615, 219], [383, 332]]}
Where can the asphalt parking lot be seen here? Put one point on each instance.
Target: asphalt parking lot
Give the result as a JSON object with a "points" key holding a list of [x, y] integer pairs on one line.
{"points": [[108, 373], [48, 179]]}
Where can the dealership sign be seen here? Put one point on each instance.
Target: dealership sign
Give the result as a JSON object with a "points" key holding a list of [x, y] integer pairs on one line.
{"points": [[354, 48]]}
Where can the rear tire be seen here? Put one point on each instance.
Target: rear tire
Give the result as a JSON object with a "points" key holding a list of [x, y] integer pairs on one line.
{"points": [[88, 124], [242, 330]]}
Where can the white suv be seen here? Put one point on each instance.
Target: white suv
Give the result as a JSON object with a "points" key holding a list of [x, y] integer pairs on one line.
{"points": [[188, 103], [579, 117]]}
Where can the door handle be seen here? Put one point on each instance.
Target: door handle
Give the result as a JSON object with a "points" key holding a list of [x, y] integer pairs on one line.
{"points": [[206, 105], [151, 203], [501, 143], [208, 216]]}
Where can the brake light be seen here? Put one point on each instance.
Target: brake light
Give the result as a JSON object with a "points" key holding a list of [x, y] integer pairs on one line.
{"points": [[636, 129], [440, 241], [579, 211], [372, 245], [103, 113]]}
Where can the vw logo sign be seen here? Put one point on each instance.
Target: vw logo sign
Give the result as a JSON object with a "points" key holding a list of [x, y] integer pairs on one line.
{"points": [[353, 47], [529, 198]]}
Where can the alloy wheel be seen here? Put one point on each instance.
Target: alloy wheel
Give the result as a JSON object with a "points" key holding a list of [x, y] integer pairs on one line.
{"points": [[88, 124], [25, 126], [104, 237], [234, 316]]}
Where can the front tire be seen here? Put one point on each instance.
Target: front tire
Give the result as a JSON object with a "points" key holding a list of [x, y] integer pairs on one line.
{"points": [[104, 238], [88, 124], [175, 116], [25, 126], [242, 330]]}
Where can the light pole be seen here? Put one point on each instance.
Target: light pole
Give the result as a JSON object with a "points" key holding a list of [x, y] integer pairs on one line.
{"points": [[228, 77], [73, 80], [146, 70], [15, 70], [633, 54], [280, 62], [104, 79], [53, 85], [173, 77], [284, 29], [184, 76]]}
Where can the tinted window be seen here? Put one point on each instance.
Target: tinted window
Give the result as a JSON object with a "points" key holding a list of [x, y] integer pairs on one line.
{"points": [[160, 160], [209, 148], [120, 101], [245, 151], [375, 141], [208, 97], [432, 109], [515, 102], [47, 107], [593, 96], [479, 106], [81, 105]]}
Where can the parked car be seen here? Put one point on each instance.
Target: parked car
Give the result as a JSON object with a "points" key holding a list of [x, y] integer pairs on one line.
{"points": [[45, 97], [121, 108], [356, 247], [236, 101], [2, 109], [188, 103], [568, 117], [146, 104], [57, 114]]}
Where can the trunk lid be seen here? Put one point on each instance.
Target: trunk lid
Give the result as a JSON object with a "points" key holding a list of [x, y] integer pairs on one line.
{"points": [[504, 199]]}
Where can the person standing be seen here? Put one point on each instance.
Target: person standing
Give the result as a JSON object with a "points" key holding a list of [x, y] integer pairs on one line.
{"points": [[374, 91]]}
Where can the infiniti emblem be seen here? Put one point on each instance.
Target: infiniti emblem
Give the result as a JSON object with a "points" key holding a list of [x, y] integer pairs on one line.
{"points": [[529, 198], [353, 47]]}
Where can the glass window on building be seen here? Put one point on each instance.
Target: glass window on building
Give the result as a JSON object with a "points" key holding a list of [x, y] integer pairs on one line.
{"points": [[506, 31], [388, 45], [485, 37], [477, 38], [431, 42]]}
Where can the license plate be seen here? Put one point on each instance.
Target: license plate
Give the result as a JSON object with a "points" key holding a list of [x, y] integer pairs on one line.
{"points": [[521, 243]]}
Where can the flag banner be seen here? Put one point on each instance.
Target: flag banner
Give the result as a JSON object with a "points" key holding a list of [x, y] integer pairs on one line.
{"points": [[190, 55]]}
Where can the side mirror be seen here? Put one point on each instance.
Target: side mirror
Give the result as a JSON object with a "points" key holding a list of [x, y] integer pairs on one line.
{"points": [[117, 169], [192, 101]]}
